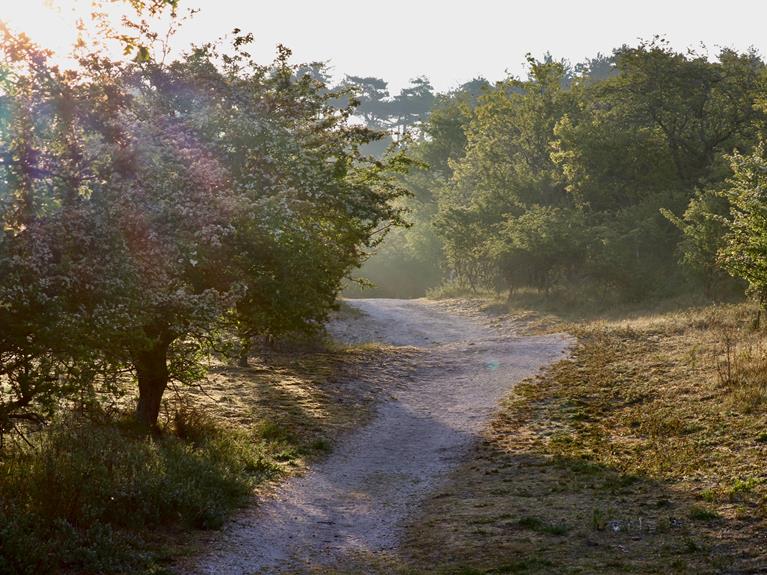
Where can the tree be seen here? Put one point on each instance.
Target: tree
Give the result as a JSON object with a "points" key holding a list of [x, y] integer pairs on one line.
{"points": [[199, 192], [507, 167], [744, 253], [613, 143], [411, 260], [410, 108], [702, 108], [539, 248], [373, 95], [703, 228]]}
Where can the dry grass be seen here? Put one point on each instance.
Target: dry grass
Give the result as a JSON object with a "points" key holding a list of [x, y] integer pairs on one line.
{"points": [[643, 453], [312, 396]]}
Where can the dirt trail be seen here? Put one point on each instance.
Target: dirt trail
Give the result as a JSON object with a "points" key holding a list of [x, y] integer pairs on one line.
{"points": [[357, 500]]}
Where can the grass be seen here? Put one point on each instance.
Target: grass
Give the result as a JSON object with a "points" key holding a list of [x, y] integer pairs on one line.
{"points": [[699, 513], [93, 495], [539, 526], [85, 496], [642, 453]]}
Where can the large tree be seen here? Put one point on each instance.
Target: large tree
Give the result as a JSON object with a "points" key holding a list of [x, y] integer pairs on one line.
{"points": [[145, 205]]}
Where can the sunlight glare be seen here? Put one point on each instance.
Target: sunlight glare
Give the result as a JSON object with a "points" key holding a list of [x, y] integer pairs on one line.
{"points": [[51, 24]]}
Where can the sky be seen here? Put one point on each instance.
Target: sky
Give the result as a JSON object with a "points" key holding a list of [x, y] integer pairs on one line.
{"points": [[450, 42]]}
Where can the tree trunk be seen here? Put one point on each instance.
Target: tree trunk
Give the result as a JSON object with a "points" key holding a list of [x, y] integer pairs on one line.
{"points": [[245, 345], [152, 371], [510, 285]]}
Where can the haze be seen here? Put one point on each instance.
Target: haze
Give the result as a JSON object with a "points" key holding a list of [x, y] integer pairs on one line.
{"points": [[450, 42]]}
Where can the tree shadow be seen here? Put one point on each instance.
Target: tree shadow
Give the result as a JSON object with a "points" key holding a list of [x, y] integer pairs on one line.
{"points": [[512, 512], [307, 394]]}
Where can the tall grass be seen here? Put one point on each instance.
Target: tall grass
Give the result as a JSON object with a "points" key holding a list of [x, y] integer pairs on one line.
{"points": [[81, 495], [742, 367]]}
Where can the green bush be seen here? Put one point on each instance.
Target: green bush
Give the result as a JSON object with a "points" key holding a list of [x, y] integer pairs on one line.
{"points": [[78, 496]]}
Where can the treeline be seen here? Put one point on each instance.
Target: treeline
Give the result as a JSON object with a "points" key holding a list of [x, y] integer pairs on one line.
{"points": [[152, 213], [624, 177]]}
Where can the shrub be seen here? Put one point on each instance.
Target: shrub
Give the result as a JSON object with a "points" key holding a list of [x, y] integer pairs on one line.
{"points": [[76, 497]]}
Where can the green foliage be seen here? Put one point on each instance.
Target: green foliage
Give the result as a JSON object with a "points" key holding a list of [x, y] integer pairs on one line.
{"points": [[744, 253], [75, 498], [508, 164], [703, 226], [145, 206], [410, 260], [570, 177], [609, 162], [543, 246]]}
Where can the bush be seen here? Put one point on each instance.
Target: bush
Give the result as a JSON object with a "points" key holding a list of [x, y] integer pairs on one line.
{"points": [[76, 498]]}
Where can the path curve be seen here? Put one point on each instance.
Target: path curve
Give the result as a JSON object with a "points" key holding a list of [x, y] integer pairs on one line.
{"points": [[357, 500]]}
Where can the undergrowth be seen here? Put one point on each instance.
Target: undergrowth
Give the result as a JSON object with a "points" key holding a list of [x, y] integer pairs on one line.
{"points": [[91, 493], [85, 496]]}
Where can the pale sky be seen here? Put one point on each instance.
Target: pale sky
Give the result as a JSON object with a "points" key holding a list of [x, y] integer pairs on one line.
{"points": [[450, 42]]}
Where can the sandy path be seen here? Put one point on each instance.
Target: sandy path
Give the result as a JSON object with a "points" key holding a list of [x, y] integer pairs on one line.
{"points": [[359, 497]]}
